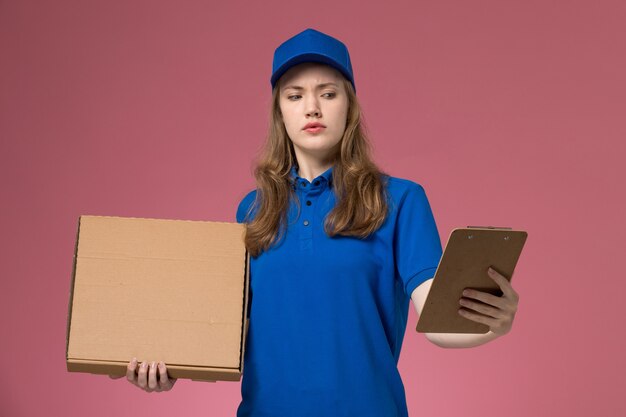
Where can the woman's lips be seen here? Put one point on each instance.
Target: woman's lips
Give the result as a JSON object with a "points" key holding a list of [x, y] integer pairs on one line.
{"points": [[314, 129]]}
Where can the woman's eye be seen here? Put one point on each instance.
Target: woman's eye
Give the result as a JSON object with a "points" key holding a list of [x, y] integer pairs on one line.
{"points": [[296, 96]]}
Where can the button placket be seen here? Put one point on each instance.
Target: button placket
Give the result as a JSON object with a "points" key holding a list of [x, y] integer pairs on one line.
{"points": [[307, 216], [308, 193]]}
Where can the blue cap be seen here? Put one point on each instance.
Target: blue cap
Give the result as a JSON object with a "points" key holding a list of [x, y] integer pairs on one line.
{"points": [[311, 45]]}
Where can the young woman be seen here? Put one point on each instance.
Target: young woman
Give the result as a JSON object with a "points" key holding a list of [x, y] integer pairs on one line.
{"points": [[338, 249]]}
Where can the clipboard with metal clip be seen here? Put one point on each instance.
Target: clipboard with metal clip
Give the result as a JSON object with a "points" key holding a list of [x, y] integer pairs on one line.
{"points": [[468, 254]]}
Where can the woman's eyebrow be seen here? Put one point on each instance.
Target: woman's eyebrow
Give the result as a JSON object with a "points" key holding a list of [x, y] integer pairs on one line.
{"points": [[319, 86]]}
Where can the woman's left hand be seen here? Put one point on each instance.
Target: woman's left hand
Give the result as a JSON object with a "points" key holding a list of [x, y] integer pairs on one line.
{"points": [[496, 312]]}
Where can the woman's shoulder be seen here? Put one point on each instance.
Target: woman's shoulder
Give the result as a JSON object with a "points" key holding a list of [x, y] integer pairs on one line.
{"points": [[245, 204], [399, 187], [405, 195]]}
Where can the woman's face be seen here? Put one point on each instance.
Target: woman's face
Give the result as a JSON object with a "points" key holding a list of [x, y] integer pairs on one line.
{"points": [[313, 93]]}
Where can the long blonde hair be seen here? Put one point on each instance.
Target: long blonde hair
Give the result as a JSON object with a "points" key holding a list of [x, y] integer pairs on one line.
{"points": [[358, 184]]}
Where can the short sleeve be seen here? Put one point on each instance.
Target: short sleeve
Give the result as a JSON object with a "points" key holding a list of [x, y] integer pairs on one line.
{"points": [[417, 246], [244, 206]]}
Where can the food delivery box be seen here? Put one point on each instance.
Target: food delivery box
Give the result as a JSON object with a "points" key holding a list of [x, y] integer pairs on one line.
{"points": [[159, 290]]}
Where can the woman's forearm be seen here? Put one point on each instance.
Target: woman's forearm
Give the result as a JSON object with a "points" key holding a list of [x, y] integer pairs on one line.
{"points": [[460, 340]]}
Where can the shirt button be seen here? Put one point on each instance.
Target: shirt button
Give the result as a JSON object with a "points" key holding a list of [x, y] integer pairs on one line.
{"points": [[308, 202], [306, 222], [303, 184], [316, 182]]}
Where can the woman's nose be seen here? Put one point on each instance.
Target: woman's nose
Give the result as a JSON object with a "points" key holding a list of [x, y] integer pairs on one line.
{"points": [[313, 108]]}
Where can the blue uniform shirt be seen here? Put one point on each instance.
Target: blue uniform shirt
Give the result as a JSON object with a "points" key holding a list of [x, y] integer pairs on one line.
{"points": [[328, 315]]}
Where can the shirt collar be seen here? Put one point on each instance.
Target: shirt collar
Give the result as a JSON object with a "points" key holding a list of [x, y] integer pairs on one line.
{"points": [[326, 175]]}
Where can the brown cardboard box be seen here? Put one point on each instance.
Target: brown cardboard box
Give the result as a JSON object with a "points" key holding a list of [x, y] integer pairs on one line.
{"points": [[165, 290]]}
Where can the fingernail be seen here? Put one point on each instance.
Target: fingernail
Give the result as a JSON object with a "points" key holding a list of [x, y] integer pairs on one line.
{"points": [[491, 271], [134, 361], [152, 364], [161, 364]]}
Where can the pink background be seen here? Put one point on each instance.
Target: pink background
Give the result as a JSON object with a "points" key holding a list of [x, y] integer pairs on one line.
{"points": [[508, 113]]}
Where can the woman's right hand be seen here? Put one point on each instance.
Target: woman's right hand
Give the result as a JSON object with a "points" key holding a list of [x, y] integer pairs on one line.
{"points": [[145, 376]]}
